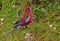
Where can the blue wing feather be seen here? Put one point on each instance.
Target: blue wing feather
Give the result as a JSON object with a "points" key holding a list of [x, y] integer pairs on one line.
{"points": [[16, 27], [25, 21]]}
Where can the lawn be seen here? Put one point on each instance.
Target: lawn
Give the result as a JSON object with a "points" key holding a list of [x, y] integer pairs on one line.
{"points": [[45, 25]]}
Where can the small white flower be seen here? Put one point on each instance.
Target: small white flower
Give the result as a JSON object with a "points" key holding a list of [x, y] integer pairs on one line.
{"points": [[1, 23], [26, 37], [51, 25], [54, 28], [27, 33], [2, 19]]}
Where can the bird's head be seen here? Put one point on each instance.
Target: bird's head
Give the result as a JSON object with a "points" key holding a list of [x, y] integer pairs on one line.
{"points": [[27, 9]]}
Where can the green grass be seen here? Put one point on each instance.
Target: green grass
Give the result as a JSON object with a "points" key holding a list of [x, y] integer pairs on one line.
{"points": [[40, 29]]}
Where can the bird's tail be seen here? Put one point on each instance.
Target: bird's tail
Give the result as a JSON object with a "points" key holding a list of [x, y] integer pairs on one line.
{"points": [[15, 27]]}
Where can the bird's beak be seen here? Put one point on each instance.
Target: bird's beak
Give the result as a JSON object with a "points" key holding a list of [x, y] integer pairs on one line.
{"points": [[30, 9]]}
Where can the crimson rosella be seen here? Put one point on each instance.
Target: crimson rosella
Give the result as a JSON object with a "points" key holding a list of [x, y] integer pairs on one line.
{"points": [[25, 20]]}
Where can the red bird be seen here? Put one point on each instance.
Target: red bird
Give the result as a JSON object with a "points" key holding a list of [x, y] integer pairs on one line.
{"points": [[26, 19]]}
